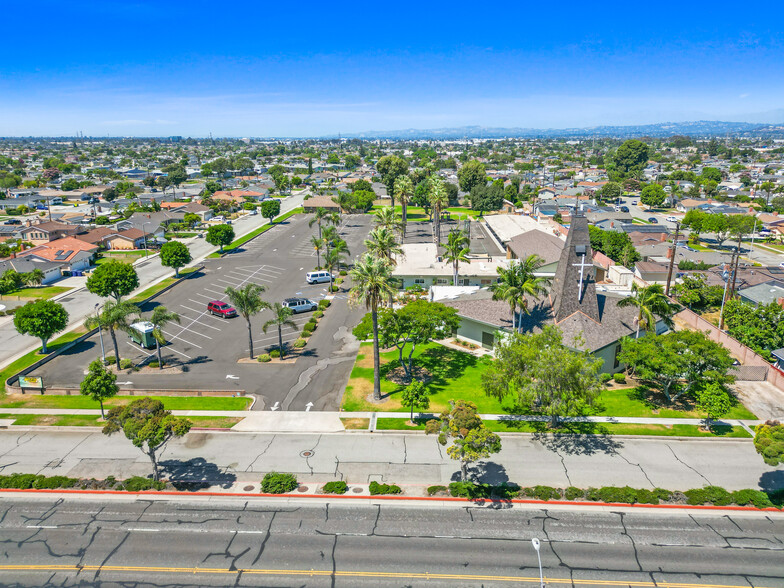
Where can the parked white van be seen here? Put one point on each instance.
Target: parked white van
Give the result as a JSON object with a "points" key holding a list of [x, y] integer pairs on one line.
{"points": [[298, 305], [318, 277]]}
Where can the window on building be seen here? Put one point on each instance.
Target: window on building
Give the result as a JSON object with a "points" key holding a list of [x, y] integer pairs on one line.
{"points": [[442, 281], [419, 280]]}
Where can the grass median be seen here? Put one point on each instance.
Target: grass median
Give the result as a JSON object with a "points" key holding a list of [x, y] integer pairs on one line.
{"points": [[255, 233], [162, 285], [216, 403]]}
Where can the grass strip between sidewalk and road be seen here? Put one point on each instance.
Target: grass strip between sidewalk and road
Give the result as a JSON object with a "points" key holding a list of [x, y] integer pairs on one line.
{"points": [[220, 403], [92, 420], [255, 233], [153, 290]]}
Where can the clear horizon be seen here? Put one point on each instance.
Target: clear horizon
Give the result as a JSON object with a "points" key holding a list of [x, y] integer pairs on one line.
{"points": [[147, 68]]}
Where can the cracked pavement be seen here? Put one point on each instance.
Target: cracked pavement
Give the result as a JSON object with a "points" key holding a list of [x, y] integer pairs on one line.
{"points": [[397, 458], [97, 540]]}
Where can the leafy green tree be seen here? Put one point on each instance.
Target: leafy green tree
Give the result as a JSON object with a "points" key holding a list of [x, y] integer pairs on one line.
{"points": [[159, 318], [99, 384], [220, 235], [114, 316], [486, 198], [391, 167], [372, 284], [415, 396], [694, 292], [761, 328], [711, 174], [611, 191], [471, 441], [281, 317], [631, 158], [694, 220], [653, 195], [719, 225], [191, 219], [650, 302], [42, 319], [769, 442], [176, 175], [148, 426], [516, 283], [113, 278], [471, 174], [406, 328], [456, 249], [175, 254], [539, 374], [247, 300], [713, 399], [270, 209]]}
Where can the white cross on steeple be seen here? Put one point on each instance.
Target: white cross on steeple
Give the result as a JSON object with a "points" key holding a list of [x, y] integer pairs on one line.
{"points": [[582, 265]]}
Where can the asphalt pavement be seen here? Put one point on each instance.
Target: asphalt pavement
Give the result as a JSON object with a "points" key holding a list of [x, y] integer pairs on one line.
{"points": [[48, 541], [206, 350], [231, 459]]}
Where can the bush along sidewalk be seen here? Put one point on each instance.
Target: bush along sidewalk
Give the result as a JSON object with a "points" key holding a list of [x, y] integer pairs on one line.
{"points": [[312, 324]]}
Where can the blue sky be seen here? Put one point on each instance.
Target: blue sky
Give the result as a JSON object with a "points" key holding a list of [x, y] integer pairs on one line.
{"points": [[306, 69]]}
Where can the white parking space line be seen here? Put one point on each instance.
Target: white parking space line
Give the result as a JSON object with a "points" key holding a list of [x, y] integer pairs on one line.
{"points": [[142, 349], [234, 284], [258, 272], [214, 291], [196, 320], [274, 338], [181, 339], [201, 296], [170, 348]]}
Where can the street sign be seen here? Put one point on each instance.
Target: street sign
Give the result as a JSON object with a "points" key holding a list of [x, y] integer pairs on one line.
{"points": [[32, 382]]}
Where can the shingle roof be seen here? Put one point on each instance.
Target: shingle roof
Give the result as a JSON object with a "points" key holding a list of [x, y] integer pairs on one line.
{"points": [[537, 242]]}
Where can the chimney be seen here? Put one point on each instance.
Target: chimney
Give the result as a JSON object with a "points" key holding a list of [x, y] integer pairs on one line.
{"points": [[669, 253]]}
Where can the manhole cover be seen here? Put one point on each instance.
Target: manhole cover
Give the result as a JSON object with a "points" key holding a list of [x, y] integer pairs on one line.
{"points": [[357, 490], [302, 489], [248, 488], [306, 453]]}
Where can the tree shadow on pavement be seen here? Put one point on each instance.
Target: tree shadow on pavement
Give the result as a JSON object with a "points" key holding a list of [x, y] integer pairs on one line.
{"points": [[195, 361], [571, 439], [196, 474], [773, 484]]}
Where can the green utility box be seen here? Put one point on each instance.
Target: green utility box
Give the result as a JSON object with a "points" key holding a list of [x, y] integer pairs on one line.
{"points": [[141, 334]]}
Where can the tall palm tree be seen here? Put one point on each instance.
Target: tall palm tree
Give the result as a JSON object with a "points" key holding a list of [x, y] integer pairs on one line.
{"points": [[281, 317], [332, 260], [321, 216], [159, 318], [318, 245], [388, 218], [456, 249], [650, 300], [247, 300], [439, 200], [115, 316], [372, 278], [404, 189], [382, 243], [331, 236], [518, 281]]}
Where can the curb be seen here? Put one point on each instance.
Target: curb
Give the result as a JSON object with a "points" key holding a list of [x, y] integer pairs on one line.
{"points": [[392, 497]]}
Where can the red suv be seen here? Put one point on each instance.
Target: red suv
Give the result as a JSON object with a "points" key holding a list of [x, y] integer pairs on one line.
{"points": [[218, 308]]}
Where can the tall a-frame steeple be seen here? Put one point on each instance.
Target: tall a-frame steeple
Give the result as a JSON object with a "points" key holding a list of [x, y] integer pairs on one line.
{"points": [[574, 288]]}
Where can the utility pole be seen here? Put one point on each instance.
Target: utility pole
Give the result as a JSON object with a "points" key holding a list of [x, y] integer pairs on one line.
{"points": [[737, 264], [727, 289], [672, 257]]}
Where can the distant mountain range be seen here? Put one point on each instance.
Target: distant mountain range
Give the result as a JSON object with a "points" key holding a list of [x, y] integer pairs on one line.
{"points": [[693, 128]]}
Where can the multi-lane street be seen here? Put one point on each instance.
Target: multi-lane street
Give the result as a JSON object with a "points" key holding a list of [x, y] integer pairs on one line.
{"points": [[52, 542]]}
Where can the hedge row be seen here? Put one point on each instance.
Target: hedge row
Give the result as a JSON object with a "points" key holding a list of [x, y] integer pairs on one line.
{"points": [[39, 482]]}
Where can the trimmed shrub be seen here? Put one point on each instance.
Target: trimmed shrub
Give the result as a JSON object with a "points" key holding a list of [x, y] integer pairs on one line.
{"points": [[139, 484], [343, 273], [663, 494], [433, 490], [109, 360], [619, 378], [275, 483], [275, 353], [709, 494], [126, 364], [647, 496], [299, 343], [264, 357], [19, 481], [318, 314], [542, 492], [54, 482], [605, 378], [306, 332], [470, 490], [338, 487], [339, 281], [573, 493], [507, 490], [625, 495], [153, 364], [749, 496], [376, 488], [110, 481], [324, 304], [311, 324]]}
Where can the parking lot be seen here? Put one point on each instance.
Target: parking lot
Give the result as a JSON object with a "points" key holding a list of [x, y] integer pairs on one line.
{"points": [[207, 348]]}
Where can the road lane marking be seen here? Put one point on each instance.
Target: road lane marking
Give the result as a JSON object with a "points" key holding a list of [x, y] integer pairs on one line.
{"points": [[41, 526]]}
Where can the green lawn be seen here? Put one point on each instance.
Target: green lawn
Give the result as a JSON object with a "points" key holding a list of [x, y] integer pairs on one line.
{"points": [[124, 256], [30, 358], [54, 420], [457, 375], [83, 402], [44, 292], [255, 233], [388, 424], [699, 247], [414, 213], [639, 221]]}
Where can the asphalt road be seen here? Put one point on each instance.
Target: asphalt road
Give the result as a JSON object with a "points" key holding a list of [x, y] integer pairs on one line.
{"points": [[234, 458], [70, 542], [80, 303], [208, 348]]}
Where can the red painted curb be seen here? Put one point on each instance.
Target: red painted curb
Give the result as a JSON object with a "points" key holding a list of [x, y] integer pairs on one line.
{"points": [[391, 497]]}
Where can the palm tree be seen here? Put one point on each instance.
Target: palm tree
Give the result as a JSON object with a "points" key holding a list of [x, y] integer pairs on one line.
{"points": [[159, 318], [388, 218], [404, 189], [381, 242], [281, 317], [332, 259], [517, 281], [456, 249], [34, 278], [247, 301], [650, 300], [115, 316], [343, 200], [318, 245], [321, 216], [331, 236], [372, 285], [439, 200]]}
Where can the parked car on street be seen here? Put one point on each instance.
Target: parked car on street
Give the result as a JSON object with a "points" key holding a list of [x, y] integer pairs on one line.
{"points": [[218, 308], [653, 220], [624, 209]]}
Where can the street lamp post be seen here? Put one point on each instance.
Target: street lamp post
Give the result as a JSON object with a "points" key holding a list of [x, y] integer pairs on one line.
{"points": [[535, 543], [100, 333]]}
